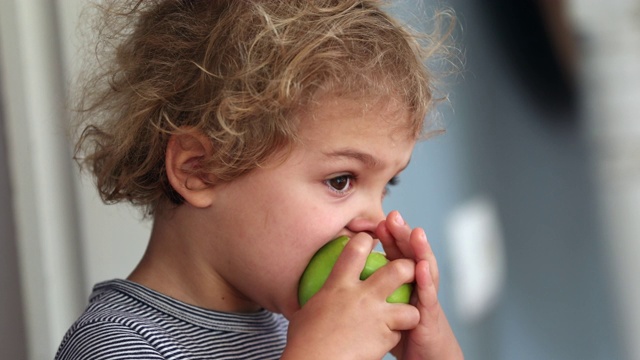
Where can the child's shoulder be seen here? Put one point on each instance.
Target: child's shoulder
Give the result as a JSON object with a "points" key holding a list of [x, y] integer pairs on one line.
{"points": [[126, 318], [117, 301], [110, 326]]}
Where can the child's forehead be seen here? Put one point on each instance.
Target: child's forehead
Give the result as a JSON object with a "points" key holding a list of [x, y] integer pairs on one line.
{"points": [[386, 113]]}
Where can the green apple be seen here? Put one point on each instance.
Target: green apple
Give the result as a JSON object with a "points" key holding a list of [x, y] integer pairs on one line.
{"points": [[323, 261]]}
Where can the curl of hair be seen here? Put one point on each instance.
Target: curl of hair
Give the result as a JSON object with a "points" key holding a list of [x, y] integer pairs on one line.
{"points": [[235, 71]]}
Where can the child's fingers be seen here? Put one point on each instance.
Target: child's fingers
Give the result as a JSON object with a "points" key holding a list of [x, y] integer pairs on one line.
{"points": [[388, 242], [353, 258], [426, 288], [385, 281], [400, 232], [423, 251], [432, 319], [402, 316], [389, 277], [433, 337]]}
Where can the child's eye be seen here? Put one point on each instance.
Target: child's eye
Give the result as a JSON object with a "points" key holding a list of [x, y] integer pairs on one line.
{"points": [[393, 182], [340, 184]]}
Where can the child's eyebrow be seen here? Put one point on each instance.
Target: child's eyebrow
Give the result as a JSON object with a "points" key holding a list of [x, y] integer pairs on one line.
{"points": [[367, 159]]}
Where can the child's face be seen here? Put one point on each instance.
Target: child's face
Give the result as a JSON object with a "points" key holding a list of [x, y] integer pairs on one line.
{"points": [[266, 225]]}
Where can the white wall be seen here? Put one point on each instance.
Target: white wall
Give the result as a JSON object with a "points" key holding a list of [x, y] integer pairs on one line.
{"points": [[112, 237], [12, 330], [65, 239], [610, 72], [43, 199]]}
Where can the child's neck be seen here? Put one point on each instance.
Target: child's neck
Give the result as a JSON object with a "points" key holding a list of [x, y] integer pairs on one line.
{"points": [[174, 265]]}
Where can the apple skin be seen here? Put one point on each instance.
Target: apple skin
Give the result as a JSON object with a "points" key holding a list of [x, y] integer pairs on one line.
{"points": [[323, 261]]}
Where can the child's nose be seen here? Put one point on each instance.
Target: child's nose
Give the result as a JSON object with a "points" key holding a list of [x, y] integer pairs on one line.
{"points": [[367, 221]]}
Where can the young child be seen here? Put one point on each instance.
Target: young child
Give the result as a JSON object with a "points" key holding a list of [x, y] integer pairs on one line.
{"points": [[252, 133]]}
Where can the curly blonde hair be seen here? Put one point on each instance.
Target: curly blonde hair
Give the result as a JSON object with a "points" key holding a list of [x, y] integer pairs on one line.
{"points": [[235, 71]]}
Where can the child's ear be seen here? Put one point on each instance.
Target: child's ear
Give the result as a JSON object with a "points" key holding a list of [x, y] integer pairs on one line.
{"points": [[184, 157]]}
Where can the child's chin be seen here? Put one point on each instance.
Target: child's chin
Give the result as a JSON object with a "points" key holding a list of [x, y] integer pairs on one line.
{"points": [[287, 310]]}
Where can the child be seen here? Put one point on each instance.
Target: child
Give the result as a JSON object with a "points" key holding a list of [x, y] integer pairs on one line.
{"points": [[253, 132]]}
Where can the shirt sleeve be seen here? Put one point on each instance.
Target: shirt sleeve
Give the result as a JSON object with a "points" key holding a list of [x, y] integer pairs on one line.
{"points": [[105, 340]]}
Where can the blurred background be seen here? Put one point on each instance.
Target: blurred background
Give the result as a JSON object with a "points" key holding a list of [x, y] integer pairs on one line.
{"points": [[531, 199]]}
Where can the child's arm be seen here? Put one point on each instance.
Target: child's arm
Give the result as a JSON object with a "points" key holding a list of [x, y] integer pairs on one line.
{"points": [[349, 318], [432, 338]]}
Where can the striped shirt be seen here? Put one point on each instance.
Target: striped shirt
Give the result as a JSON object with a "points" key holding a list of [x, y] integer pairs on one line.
{"points": [[125, 320]]}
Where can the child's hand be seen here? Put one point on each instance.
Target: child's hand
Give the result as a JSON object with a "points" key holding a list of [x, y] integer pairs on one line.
{"points": [[432, 338], [349, 318]]}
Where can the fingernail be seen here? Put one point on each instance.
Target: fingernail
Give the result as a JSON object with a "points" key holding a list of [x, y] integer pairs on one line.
{"points": [[399, 219]]}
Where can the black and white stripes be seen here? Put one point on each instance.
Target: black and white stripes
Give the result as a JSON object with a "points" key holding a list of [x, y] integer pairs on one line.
{"points": [[127, 321]]}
